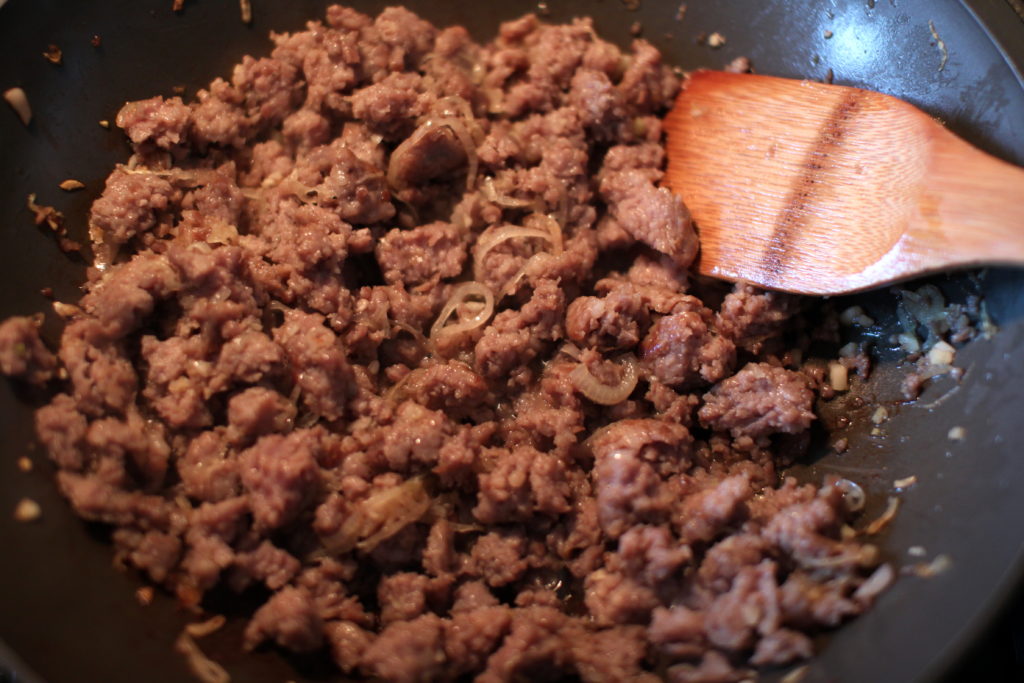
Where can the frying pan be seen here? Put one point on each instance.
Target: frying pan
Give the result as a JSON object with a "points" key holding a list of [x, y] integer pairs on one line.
{"points": [[66, 615]]}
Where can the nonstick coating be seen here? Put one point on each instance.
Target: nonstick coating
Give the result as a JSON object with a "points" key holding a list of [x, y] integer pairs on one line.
{"points": [[71, 617]]}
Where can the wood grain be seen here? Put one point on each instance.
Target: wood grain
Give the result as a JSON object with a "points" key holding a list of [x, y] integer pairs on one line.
{"points": [[824, 189]]}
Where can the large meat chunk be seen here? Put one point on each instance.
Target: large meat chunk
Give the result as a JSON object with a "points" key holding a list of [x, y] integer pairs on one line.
{"points": [[653, 215], [627, 485], [432, 151], [759, 400], [317, 362], [408, 651], [665, 445], [131, 204], [282, 477], [750, 317], [681, 350], [614, 321], [290, 619]]}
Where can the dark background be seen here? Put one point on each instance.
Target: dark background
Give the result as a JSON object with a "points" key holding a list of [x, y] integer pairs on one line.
{"points": [[73, 619]]}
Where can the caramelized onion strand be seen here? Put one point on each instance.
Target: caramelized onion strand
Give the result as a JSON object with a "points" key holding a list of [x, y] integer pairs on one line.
{"points": [[601, 393]]}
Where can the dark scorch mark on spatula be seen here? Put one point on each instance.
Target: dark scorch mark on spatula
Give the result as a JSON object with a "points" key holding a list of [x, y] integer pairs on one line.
{"points": [[787, 230]]}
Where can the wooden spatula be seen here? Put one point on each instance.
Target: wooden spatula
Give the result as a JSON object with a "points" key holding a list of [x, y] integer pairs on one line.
{"points": [[824, 189]]}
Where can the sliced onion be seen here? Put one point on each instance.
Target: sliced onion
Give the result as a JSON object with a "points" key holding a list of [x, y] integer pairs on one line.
{"points": [[304, 193], [18, 100], [412, 331], [472, 161], [550, 233], [555, 231], [881, 579], [204, 668], [571, 350], [392, 175], [381, 516], [553, 227], [460, 295], [510, 232], [563, 205], [397, 391], [883, 520], [513, 284], [492, 195], [453, 106], [200, 629], [601, 393], [495, 99]]}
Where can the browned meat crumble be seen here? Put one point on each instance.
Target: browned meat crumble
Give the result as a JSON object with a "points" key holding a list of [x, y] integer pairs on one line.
{"points": [[399, 328]]}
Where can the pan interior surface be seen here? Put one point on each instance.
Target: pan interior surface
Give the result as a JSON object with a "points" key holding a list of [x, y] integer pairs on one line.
{"points": [[70, 617]]}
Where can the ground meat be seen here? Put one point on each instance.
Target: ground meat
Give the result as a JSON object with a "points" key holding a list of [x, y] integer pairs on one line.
{"points": [[523, 482], [163, 123], [422, 254], [703, 515], [614, 321], [681, 350], [22, 352], [62, 428], [407, 651], [270, 387], [533, 648], [317, 362], [258, 411], [413, 439], [347, 642], [759, 400], [406, 595], [734, 619], [650, 554], [652, 215], [281, 476], [267, 564], [750, 317], [452, 387], [677, 631], [498, 558], [616, 599], [289, 619], [471, 636], [131, 204]]}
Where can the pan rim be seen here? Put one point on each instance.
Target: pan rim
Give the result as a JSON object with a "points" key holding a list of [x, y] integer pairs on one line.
{"points": [[1004, 28]]}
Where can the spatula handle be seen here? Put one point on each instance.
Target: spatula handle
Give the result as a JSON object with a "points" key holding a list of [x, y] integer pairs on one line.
{"points": [[971, 210]]}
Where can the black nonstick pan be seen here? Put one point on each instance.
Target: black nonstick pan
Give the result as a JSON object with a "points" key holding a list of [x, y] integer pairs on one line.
{"points": [[67, 616]]}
